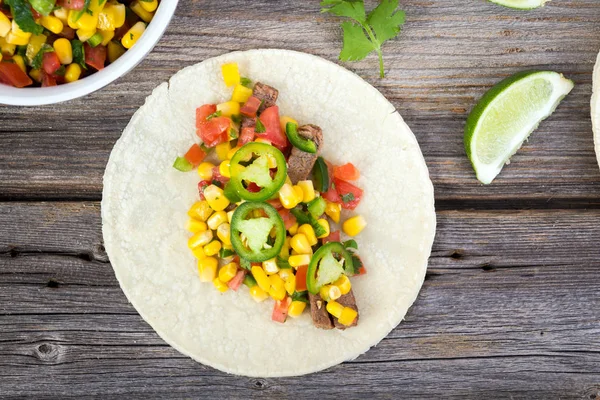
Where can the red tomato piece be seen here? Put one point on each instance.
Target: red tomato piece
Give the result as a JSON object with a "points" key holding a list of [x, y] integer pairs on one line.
{"points": [[195, 155], [332, 195], [201, 186], [253, 187], [275, 203], [204, 111], [280, 310], [71, 4], [11, 74], [95, 57], [301, 278], [288, 218], [214, 131], [237, 280], [48, 80], [333, 237], [50, 62], [349, 194], [251, 107], [346, 172], [36, 15], [246, 137], [218, 177], [273, 132]]}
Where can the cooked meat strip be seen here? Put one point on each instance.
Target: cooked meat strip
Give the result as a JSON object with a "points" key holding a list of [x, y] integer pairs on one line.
{"points": [[318, 312], [248, 122], [347, 300], [267, 94], [300, 163]]}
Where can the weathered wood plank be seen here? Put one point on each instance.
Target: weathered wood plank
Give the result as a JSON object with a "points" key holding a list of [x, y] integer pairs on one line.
{"points": [[509, 308], [449, 53]]}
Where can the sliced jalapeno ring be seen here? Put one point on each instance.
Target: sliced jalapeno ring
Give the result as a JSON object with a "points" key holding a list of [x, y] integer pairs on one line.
{"points": [[302, 143], [330, 270]]}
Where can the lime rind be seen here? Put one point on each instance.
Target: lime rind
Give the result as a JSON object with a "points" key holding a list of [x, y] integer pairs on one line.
{"points": [[487, 165], [521, 4]]}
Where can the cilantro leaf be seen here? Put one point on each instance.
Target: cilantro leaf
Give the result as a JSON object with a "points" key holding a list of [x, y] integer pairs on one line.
{"points": [[21, 12], [36, 63], [365, 34], [259, 127], [348, 197]]}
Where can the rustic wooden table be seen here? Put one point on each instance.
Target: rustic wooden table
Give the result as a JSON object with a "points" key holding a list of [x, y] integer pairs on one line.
{"points": [[511, 302]]}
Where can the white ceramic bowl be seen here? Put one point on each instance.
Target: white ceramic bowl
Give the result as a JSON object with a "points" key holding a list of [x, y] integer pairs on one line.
{"points": [[131, 58]]}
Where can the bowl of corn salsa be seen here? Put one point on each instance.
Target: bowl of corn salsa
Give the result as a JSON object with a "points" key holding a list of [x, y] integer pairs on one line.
{"points": [[58, 50]]}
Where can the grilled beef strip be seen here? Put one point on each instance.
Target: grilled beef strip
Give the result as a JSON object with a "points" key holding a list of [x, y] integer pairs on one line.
{"points": [[267, 94], [318, 312], [300, 163], [248, 122], [347, 300]]}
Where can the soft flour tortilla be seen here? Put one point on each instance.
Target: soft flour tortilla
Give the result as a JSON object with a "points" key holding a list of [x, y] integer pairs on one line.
{"points": [[596, 108], [145, 201]]}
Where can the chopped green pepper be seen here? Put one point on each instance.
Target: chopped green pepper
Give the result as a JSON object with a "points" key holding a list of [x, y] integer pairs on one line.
{"points": [[316, 207], [300, 296], [302, 143], [249, 281], [231, 193], [251, 237], [183, 165], [320, 175], [325, 268], [303, 217], [245, 170]]}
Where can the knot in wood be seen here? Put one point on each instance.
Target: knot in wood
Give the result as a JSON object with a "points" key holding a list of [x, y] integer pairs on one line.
{"points": [[47, 352], [259, 384]]}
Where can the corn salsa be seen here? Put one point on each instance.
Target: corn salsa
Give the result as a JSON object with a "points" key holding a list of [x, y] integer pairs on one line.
{"points": [[51, 42]]}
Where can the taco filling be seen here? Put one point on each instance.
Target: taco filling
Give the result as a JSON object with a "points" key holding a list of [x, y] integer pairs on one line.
{"points": [[269, 210]]}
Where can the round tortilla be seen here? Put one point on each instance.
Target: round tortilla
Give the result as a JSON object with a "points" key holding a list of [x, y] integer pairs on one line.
{"points": [[145, 201], [596, 108]]}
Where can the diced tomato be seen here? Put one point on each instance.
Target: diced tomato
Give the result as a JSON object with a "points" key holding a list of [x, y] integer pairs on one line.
{"points": [[50, 62], [48, 80], [71, 4], [301, 278], [275, 203], [36, 15], [288, 218], [204, 111], [195, 155], [201, 186], [332, 195], [95, 57], [362, 270], [251, 107], [214, 131], [11, 74], [237, 280], [253, 187], [346, 189], [333, 237], [218, 177], [247, 136], [281, 309], [68, 32], [273, 132], [346, 172]]}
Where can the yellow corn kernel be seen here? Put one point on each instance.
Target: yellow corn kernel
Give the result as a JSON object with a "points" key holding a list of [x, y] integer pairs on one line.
{"points": [[288, 196], [198, 252], [343, 283], [293, 229], [324, 292], [133, 35], [114, 50], [348, 316], [73, 73], [309, 232], [63, 50], [229, 108], [224, 169], [227, 272], [212, 248], [229, 216], [285, 274], [200, 239], [72, 19], [5, 25], [353, 226], [222, 150], [299, 193], [106, 36], [241, 93], [7, 48], [62, 14], [87, 20], [258, 294], [308, 191], [270, 266], [11, 38], [284, 253], [85, 34], [261, 278], [217, 219], [52, 23], [325, 224], [284, 120], [207, 267], [299, 260], [232, 152], [290, 284], [19, 61], [194, 225], [300, 244], [296, 309], [16, 30], [220, 285], [231, 74], [36, 75], [216, 198], [224, 233], [277, 290], [333, 211], [137, 8], [111, 17], [149, 6], [200, 210], [35, 44], [334, 308], [205, 171], [334, 292]]}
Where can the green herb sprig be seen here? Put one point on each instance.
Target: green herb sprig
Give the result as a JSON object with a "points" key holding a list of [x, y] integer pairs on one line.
{"points": [[366, 33]]}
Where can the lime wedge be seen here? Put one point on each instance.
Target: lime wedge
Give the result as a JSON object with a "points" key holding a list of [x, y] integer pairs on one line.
{"points": [[521, 4], [507, 114]]}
